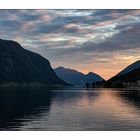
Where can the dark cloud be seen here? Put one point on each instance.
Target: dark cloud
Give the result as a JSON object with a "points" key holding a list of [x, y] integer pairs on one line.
{"points": [[125, 40], [76, 36]]}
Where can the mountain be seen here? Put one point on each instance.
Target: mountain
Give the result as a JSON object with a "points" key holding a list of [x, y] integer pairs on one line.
{"points": [[130, 68], [129, 76], [76, 78], [93, 77], [20, 66]]}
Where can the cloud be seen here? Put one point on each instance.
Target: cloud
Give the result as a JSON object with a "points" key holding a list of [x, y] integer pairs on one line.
{"points": [[80, 37]]}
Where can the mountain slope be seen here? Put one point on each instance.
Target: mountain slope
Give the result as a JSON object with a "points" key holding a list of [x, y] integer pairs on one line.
{"points": [[130, 68], [76, 78], [93, 77], [131, 79], [130, 75], [18, 65]]}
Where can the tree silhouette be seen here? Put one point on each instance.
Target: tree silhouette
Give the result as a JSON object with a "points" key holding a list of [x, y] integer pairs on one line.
{"points": [[93, 84], [87, 85]]}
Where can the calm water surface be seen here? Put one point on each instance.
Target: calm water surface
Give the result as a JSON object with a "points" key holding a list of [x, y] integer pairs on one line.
{"points": [[69, 109]]}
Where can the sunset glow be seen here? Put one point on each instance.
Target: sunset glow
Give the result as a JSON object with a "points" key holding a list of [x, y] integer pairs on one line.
{"points": [[101, 41]]}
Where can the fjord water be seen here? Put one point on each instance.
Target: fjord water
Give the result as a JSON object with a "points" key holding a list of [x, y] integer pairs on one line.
{"points": [[69, 109]]}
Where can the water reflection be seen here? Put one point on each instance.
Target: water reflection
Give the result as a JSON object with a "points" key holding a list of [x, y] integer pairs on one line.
{"points": [[98, 109], [132, 96], [74, 96], [69, 109], [22, 104]]}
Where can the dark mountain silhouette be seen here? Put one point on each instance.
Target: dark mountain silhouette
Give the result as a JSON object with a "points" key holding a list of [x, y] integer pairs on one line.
{"points": [[76, 78], [18, 65], [130, 68], [130, 75]]}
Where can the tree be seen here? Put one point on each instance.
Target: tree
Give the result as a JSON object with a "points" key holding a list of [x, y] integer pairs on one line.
{"points": [[93, 84], [87, 85]]}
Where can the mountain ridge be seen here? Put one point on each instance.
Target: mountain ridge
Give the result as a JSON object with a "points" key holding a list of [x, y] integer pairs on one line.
{"points": [[19, 65], [75, 77], [129, 76], [129, 68]]}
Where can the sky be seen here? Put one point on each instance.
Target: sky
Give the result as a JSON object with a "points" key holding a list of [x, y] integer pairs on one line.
{"points": [[100, 41]]}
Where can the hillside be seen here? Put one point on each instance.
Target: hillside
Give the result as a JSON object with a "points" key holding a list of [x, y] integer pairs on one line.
{"points": [[20, 66], [131, 78]]}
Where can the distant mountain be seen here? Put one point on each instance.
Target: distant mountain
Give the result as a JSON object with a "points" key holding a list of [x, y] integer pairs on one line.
{"points": [[76, 78], [130, 75], [93, 77], [20, 66]]}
